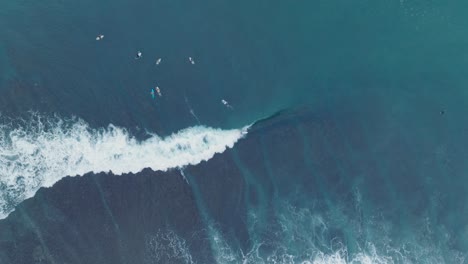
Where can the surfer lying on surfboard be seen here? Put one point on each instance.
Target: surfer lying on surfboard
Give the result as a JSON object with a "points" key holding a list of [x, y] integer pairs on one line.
{"points": [[138, 55], [158, 91], [226, 104]]}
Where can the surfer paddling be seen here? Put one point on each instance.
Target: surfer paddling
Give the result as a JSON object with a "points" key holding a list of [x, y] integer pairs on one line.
{"points": [[225, 103], [138, 55], [158, 91], [158, 61], [191, 60], [99, 37]]}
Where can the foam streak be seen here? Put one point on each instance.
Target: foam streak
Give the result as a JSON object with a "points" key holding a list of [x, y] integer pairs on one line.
{"points": [[39, 152]]}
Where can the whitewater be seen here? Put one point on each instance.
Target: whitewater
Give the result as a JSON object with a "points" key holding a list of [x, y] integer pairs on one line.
{"points": [[39, 151]]}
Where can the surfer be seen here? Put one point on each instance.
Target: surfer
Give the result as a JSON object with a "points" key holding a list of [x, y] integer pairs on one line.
{"points": [[138, 55], [226, 104], [158, 61], [158, 91], [191, 60], [99, 37]]}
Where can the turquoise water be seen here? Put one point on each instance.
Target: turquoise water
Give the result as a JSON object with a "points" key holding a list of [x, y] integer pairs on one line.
{"points": [[260, 57], [386, 81]]}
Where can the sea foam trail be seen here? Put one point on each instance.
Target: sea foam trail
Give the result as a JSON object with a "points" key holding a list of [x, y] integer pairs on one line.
{"points": [[40, 151]]}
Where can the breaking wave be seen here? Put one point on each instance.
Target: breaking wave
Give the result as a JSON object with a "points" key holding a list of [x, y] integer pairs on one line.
{"points": [[39, 151]]}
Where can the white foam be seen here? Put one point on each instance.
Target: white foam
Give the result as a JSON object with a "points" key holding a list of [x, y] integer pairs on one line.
{"points": [[42, 151], [166, 245]]}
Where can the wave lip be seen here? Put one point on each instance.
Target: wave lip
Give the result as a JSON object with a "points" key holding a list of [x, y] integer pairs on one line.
{"points": [[40, 151]]}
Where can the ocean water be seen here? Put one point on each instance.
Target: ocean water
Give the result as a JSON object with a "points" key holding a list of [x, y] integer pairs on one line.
{"points": [[293, 190], [345, 142]]}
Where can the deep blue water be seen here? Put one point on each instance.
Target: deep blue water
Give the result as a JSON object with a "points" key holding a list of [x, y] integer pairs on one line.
{"points": [[369, 158], [302, 187]]}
